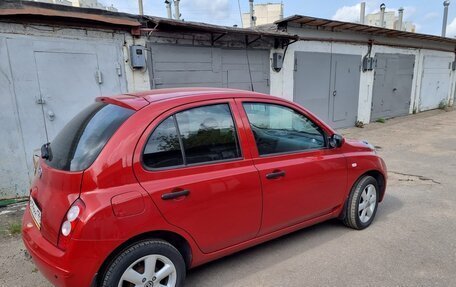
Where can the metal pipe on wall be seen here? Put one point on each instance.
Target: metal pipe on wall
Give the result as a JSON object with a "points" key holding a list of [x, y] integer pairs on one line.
{"points": [[382, 15], [168, 9], [176, 10], [446, 3], [401, 19], [141, 7], [252, 17], [362, 13]]}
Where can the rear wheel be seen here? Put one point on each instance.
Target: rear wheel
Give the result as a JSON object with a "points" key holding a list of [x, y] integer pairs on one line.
{"points": [[150, 263], [362, 203]]}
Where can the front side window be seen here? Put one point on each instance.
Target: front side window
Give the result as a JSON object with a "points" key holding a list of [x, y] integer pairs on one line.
{"points": [[279, 129], [197, 135]]}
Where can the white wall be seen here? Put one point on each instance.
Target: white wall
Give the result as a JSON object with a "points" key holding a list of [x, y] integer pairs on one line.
{"points": [[282, 82], [137, 79]]}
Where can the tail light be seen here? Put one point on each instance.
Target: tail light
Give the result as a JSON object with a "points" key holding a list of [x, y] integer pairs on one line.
{"points": [[69, 223]]}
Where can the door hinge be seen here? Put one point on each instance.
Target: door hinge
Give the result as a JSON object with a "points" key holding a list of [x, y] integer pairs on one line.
{"points": [[99, 77], [295, 64], [40, 101], [118, 69]]}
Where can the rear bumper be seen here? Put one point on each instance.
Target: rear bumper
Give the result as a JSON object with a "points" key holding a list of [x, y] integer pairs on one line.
{"points": [[56, 265]]}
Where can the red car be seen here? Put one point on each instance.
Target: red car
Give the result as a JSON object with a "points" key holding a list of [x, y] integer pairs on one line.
{"points": [[138, 188]]}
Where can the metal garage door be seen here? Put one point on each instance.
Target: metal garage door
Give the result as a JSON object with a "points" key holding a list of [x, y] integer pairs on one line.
{"points": [[190, 66], [328, 85], [435, 84], [392, 85], [55, 79]]}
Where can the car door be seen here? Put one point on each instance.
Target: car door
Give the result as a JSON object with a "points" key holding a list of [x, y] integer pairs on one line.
{"points": [[301, 177], [195, 166]]}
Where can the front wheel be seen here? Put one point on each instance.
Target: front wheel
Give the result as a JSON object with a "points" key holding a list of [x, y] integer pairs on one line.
{"points": [[149, 263], [362, 203]]}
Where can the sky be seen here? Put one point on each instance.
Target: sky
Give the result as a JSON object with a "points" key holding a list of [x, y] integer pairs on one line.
{"points": [[425, 14]]}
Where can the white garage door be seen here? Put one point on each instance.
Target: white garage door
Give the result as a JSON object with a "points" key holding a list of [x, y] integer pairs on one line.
{"points": [[435, 85]]}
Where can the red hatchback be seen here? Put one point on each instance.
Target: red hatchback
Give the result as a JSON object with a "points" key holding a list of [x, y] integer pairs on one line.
{"points": [[138, 188]]}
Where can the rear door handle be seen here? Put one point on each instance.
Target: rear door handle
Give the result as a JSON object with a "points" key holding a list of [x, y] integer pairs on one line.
{"points": [[175, 194], [275, 174]]}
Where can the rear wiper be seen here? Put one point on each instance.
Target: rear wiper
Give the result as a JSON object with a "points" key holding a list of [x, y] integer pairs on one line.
{"points": [[46, 151]]}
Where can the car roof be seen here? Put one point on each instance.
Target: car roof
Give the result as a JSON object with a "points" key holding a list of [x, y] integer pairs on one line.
{"points": [[139, 100]]}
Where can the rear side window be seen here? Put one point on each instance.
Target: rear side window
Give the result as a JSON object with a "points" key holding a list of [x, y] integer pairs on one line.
{"points": [[279, 129], [78, 144], [199, 135], [163, 147]]}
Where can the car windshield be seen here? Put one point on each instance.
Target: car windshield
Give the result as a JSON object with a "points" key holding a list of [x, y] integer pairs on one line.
{"points": [[78, 144]]}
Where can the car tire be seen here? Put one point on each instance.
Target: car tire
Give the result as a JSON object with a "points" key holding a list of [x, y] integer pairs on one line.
{"points": [[362, 203], [129, 268]]}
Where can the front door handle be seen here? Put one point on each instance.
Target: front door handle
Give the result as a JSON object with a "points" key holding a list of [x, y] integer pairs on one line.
{"points": [[175, 194], [275, 174]]}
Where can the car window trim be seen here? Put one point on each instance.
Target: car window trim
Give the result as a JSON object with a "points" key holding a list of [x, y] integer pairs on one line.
{"points": [[184, 160], [325, 136]]}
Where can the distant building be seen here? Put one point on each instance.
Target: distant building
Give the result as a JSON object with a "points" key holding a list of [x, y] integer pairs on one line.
{"points": [[60, 2], [265, 14], [80, 3], [92, 4], [391, 21]]}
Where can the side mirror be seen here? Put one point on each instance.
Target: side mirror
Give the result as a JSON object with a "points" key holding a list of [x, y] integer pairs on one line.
{"points": [[336, 141]]}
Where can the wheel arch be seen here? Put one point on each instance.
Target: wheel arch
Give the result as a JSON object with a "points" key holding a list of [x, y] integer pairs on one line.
{"points": [[379, 177], [178, 241], [381, 180]]}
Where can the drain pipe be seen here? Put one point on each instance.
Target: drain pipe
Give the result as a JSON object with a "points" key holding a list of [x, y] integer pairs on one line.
{"points": [[401, 19], [446, 3], [168, 9], [362, 13]]}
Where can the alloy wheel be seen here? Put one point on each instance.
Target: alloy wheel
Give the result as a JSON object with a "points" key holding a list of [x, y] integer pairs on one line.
{"points": [[150, 271], [367, 203]]}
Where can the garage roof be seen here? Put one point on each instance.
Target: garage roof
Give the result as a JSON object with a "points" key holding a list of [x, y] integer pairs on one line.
{"points": [[173, 25], [333, 25], [27, 10]]}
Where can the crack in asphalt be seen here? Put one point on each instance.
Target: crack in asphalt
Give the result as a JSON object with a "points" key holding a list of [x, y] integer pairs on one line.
{"points": [[420, 177]]}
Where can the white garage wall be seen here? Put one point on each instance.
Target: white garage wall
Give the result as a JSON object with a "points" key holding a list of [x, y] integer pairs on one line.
{"points": [[137, 79]]}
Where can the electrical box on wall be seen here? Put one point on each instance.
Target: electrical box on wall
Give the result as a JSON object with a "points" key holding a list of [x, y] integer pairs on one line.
{"points": [[137, 57], [277, 61], [368, 64]]}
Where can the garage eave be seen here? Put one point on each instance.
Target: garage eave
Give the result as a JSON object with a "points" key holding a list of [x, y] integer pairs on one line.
{"points": [[26, 10]]}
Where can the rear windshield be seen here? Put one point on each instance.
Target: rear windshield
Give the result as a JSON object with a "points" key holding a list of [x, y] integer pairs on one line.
{"points": [[77, 146]]}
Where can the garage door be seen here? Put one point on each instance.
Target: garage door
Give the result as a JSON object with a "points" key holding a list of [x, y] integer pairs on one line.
{"points": [[435, 84], [328, 85], [190, 66], [55, 79], [392, 85]]}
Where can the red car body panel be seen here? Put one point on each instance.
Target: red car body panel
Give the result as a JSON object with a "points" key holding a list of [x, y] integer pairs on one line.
{"points": [[230, 207]]}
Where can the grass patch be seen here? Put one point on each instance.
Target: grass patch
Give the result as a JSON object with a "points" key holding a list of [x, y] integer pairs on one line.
{"points": [[443, 105], [15, 228], [381, 120]]}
